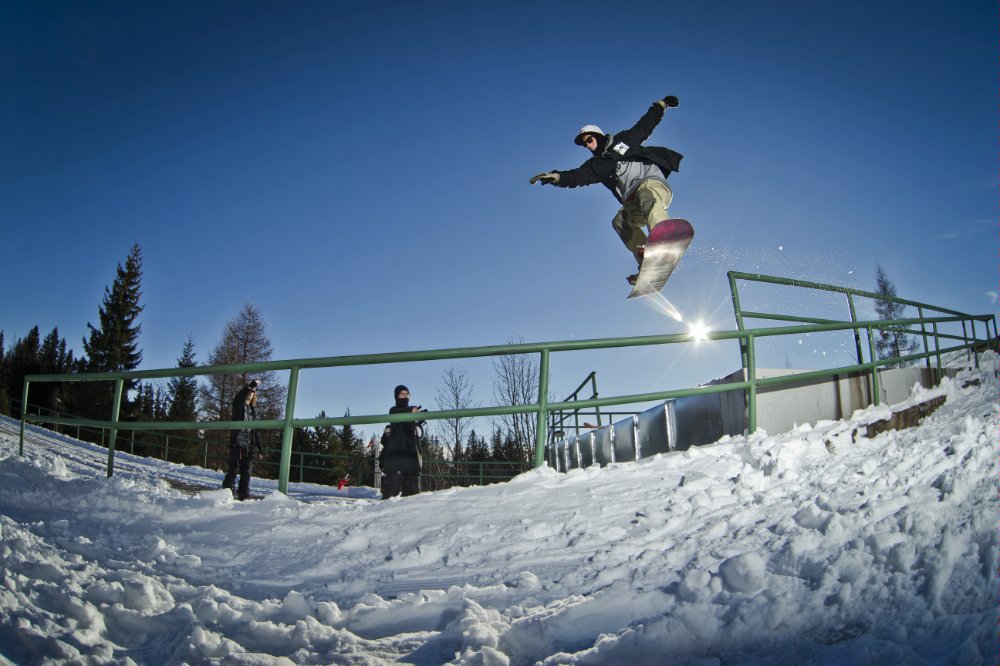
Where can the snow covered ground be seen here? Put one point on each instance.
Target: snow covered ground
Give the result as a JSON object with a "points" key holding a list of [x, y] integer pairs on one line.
{"points": [[799, 548]]}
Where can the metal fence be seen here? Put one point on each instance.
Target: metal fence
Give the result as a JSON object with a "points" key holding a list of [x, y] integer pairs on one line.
{"points": [[542, 408], [306, 466]]}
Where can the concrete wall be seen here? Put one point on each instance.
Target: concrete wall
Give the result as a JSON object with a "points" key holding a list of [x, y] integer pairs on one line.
{"points": [[781, 409]]}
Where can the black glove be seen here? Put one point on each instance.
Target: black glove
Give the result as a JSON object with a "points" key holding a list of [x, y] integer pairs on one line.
{"points": [[547, 178], [670, 102]]}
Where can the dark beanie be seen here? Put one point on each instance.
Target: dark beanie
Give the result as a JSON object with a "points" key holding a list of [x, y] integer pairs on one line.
{"points": [[398, 390]]}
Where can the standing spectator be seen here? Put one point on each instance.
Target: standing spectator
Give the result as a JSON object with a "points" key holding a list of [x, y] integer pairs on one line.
{"points": [[400, 458], [245, 442]]}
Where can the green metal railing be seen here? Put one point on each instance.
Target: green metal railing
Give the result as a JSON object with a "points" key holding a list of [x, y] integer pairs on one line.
{"points": [[851, 295], [542, 408], [361, 468], [558, 418]]}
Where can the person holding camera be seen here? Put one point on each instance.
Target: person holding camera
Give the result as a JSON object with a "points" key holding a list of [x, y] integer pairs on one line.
{"points": [[400, 457], [243, 443], [635, 174]]}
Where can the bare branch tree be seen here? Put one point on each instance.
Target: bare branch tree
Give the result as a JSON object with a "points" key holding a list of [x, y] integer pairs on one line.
{"points": [[244, 340], [516, 383], [456, 394]]}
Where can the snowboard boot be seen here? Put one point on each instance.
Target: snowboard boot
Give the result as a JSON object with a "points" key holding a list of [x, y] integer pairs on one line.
{"points": [[640, 254]]}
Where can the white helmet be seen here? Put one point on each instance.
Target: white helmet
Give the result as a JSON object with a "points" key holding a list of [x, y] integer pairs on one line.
{"points": [[587, 129]]}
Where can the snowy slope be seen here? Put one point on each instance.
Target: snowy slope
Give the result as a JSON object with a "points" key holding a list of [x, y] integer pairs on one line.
{"points": [[804, 547]]}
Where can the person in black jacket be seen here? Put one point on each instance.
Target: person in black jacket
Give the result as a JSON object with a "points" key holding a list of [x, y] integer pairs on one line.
{"points": [[635, 174], [245, 442], [400, 456]]}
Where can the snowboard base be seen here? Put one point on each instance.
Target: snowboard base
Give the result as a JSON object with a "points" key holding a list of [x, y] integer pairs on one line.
{"points": [[665, 247]]}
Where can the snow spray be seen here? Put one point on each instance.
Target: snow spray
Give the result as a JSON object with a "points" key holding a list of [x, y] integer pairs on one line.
{"points": [[660, 303]]}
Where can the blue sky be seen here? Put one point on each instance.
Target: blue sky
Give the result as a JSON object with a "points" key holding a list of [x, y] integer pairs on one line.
{"points": [[359, 171]]}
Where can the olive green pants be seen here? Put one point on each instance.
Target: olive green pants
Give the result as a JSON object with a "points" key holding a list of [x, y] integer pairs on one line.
{"points": [[644, 210]]}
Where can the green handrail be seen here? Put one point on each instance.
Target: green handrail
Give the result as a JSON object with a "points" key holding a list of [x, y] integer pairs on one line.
{"points": [[542, 408], [558, 418], [850, 293]]}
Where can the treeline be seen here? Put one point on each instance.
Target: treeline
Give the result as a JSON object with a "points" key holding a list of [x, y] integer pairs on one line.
{"points": [[112, 345], [320, 455]]}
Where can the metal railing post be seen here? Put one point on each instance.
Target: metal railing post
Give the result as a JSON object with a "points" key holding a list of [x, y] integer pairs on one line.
{"points": [[975, 347], [115, 408], [738, 311], [576, 417], [286, 431], [937, 348], [923, 334], [876, 399], [857, 334], [593, 386], [751, 366], [24, 411], [541, 433]]}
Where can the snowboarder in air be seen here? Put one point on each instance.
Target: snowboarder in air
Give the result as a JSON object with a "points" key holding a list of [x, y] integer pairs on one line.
{"points": [[635, 174]]}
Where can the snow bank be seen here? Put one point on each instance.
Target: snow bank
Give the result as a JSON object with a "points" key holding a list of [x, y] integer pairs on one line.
{"points": [[804, 547]]}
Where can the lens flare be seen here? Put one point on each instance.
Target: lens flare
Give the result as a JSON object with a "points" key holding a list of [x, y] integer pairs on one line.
{"points": [[699, 331]]}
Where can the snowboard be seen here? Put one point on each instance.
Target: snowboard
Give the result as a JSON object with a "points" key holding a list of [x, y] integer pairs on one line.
{"points": [[665, 247]]}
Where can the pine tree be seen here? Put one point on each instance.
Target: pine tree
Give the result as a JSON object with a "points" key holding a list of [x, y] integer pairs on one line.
{"points": [[350, 442], [891, 342], [4, 394], [317, 446], [29, 356], [350, 450], [22, 360], [327, 437], [182, 392], [437, 471], [477, 451], [180, 403], [53, 359], [113, 345]]}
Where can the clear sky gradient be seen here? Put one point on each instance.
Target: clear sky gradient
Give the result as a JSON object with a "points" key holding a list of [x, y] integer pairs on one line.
{"points": [[359, 171]]}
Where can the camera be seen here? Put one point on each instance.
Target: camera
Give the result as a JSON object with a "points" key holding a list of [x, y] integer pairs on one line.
{"points": [[254, 383]]}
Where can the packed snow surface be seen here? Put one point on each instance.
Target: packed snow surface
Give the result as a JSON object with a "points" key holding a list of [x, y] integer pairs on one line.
{"points": [[815, 546]]}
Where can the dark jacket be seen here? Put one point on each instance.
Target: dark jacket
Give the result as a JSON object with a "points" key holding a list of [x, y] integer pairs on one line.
{"points": [[400, 446], [626, 146], [248, 439]]}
